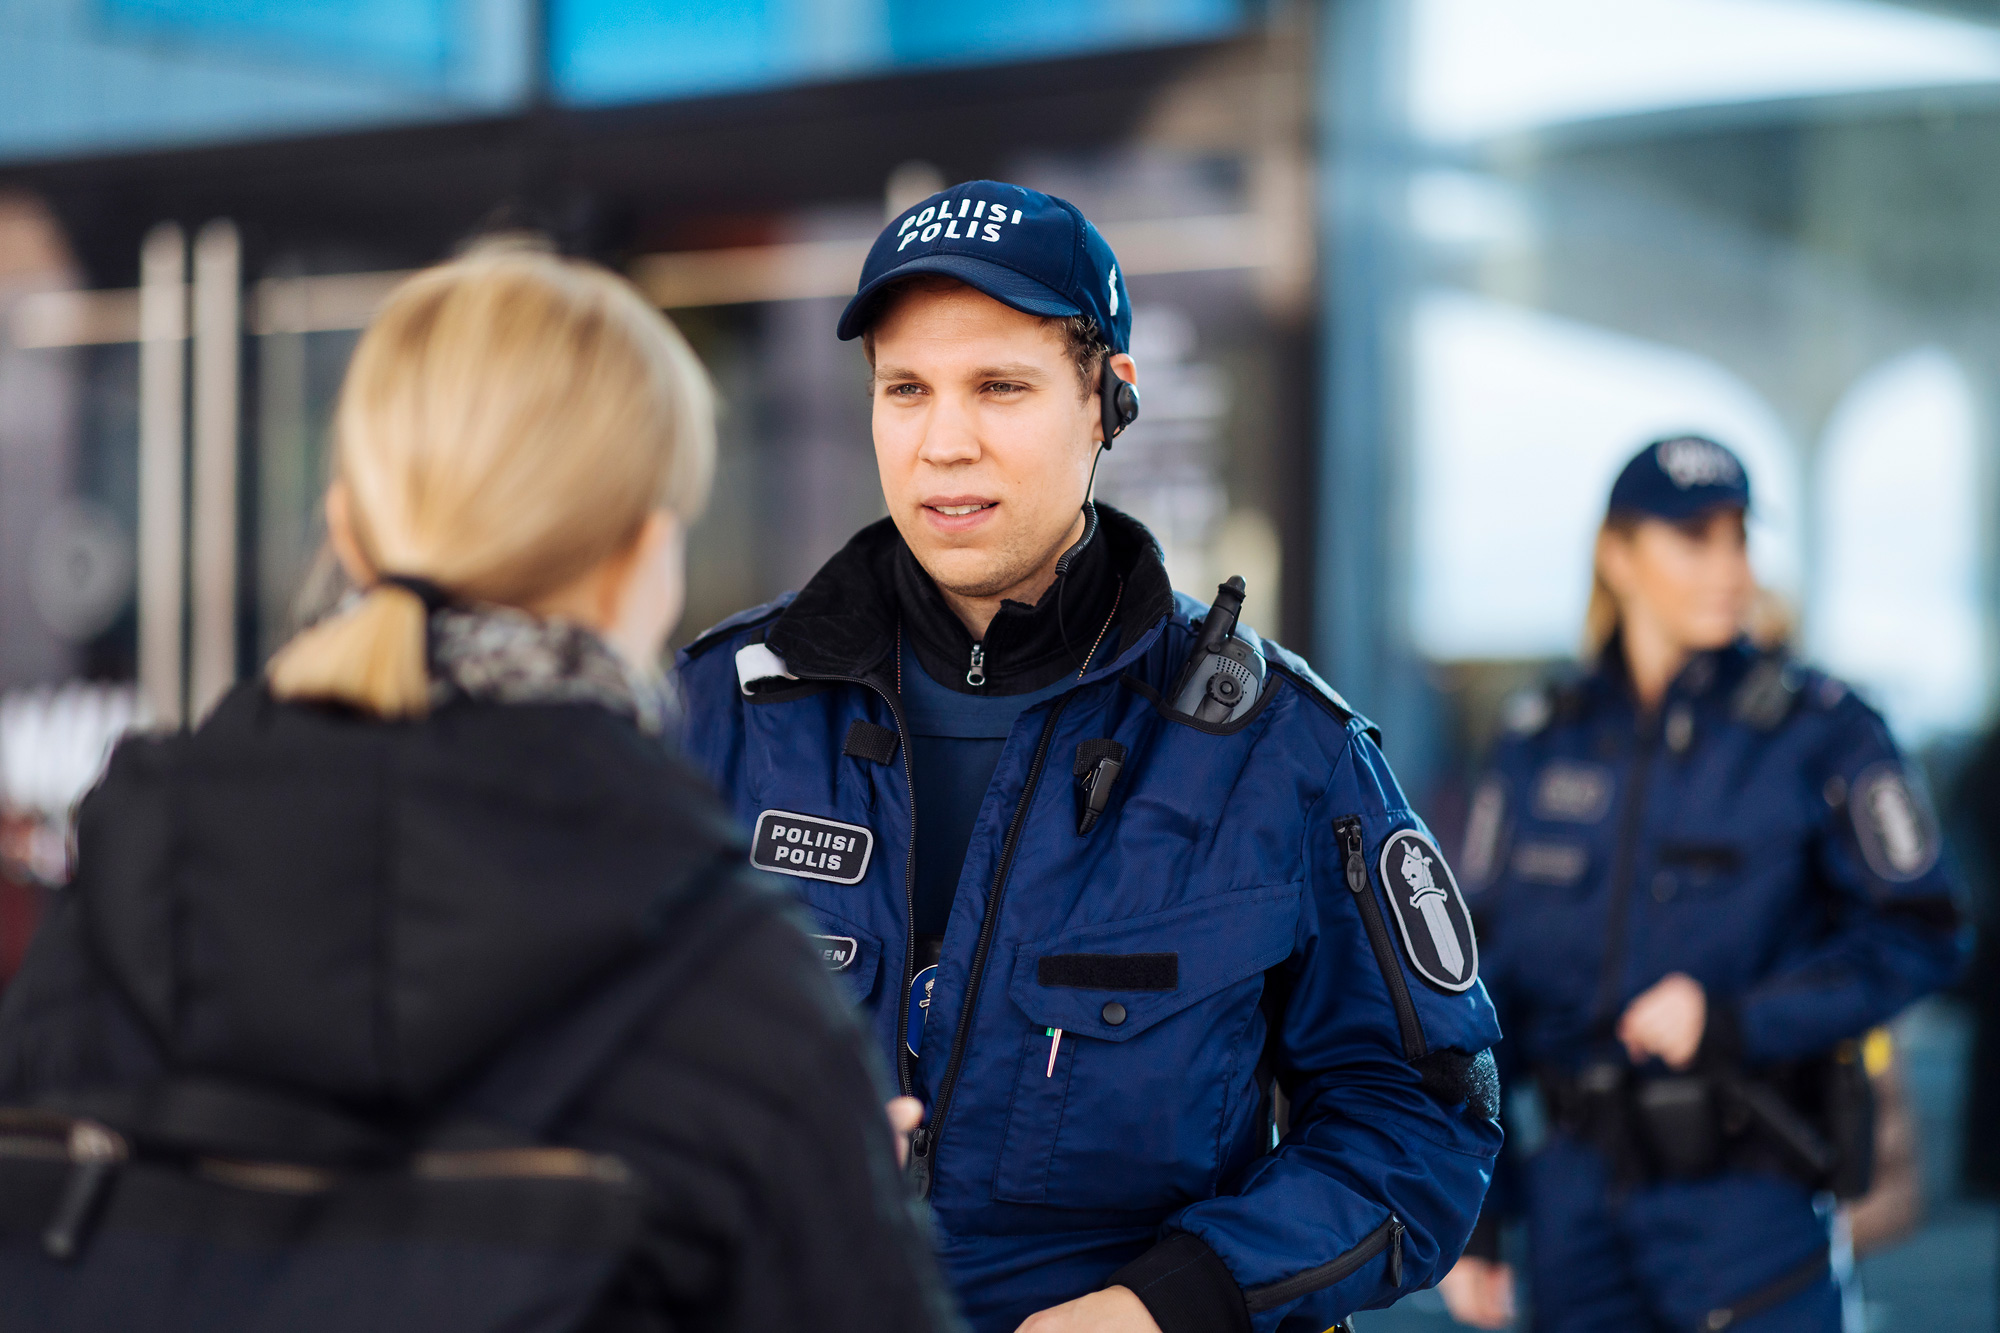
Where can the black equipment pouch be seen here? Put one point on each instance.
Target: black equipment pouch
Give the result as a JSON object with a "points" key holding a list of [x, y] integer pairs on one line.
{"points": [[1680, 1126], [1595, 1106], [1814, 1120], [1769, 1119], [1850, 1119]]}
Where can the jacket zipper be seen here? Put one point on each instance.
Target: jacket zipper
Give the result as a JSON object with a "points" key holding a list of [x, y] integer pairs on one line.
{"points": [[924, 1143], [904, 1082], [1625, 858], [1388, 1236], [1349, 829], [976, 674]]}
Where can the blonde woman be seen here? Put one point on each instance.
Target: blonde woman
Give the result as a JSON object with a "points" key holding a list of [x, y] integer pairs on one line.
{"points": [[437, 879], [1700, 872]]}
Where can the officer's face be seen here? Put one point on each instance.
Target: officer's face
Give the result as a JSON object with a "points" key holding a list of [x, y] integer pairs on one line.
{"points": [[1691, 581], [984, 438]]}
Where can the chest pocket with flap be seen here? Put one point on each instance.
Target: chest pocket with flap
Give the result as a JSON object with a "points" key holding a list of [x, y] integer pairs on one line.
{"points": [[849, 952], [1154, 1011]]}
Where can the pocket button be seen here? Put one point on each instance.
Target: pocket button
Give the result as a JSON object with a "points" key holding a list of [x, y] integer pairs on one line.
{"points": [[1114, 1013]]}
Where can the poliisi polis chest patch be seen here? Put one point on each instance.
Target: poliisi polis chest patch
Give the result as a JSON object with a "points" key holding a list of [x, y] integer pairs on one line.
{"points": [[810, 847]]}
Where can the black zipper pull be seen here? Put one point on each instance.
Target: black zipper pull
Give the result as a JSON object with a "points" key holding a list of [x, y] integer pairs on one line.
{"points": [[1348, 829], [94, 1154], [920, 1161], [1395, 1250], [1357, 869], [977, 674]]}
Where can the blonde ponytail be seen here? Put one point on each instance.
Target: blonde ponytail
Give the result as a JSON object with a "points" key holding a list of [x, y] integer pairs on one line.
{"points": [[370, 654], [1600, 615], [508, 422]]}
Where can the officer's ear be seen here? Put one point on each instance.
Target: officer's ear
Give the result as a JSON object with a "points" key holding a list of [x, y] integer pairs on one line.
{"points": [[342, 537], [1613, 559], [1117, 396]]}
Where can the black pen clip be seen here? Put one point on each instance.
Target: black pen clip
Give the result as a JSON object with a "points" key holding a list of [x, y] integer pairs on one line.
{"points": [[1098, 764]]}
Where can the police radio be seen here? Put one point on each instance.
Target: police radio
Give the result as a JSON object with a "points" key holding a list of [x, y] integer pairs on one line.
{"points": [[1224, 675]]}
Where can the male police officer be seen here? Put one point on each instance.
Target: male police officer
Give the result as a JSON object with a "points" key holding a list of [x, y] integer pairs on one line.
{"points": [[1091, 915]]}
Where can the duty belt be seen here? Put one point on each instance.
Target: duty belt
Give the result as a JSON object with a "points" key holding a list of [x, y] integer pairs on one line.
{"points": [[1684, 1126]]}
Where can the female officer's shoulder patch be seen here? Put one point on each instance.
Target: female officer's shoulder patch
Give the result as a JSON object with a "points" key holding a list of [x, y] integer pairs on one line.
{"points": [[1893, 823], [1430, 913]]}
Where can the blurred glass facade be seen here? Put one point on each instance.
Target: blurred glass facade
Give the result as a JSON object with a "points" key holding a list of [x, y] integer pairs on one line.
{"points": [[116, 75], [1761, 220], [617, 51], [95, 76], [1411, 278]]}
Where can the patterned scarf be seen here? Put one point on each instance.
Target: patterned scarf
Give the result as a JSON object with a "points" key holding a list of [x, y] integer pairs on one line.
{"points": [[507, 656]]}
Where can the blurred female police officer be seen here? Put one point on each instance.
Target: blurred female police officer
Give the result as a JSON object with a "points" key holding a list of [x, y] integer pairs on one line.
{"points": [[439, 862], [1700, 871]]}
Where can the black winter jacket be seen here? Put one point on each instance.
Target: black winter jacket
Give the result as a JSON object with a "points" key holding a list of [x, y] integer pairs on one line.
{"points": [[372, 912]]}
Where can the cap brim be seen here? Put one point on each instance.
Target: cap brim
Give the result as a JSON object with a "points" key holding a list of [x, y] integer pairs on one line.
{"points": [[1690, 507], [1005, 285]]}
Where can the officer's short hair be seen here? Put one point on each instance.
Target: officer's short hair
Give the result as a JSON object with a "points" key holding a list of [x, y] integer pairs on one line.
{"points": [[1081, 339]]}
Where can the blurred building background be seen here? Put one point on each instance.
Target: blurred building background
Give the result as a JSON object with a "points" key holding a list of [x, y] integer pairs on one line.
{"points": [[1410, 279]]}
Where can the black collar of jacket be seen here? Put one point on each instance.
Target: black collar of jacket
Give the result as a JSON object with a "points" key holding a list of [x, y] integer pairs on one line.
{"points": [[1715, 671], [843, 622]]}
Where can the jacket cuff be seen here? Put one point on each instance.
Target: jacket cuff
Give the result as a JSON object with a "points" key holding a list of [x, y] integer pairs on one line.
{"points": [[1721, 1049], [1186, 1287], [1485, 1240]]}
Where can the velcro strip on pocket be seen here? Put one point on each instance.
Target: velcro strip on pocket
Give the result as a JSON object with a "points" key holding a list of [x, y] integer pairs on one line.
{"points": [[1110, 971], [867, 740]]}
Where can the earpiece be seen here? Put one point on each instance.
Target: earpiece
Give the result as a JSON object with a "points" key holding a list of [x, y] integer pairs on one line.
{"points": [[1120, 401]]}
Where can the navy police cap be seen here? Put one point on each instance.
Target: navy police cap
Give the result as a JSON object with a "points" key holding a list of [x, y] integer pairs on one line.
{"points": [[1680, 477], [1023, 248]]}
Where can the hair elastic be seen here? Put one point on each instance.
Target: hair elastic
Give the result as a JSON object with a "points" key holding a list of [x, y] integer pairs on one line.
{"points": [[430, 594]]}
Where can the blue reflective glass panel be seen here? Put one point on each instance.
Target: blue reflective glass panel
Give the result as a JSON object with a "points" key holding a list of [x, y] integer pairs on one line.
{"points": [[632, 50], [397, 37]]}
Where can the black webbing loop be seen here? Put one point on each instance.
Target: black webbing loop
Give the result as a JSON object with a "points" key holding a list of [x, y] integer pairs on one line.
{"points": [[871, 741]]}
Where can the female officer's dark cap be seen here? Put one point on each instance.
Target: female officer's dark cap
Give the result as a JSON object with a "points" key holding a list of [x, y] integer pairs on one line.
{"points": [[1678, 478], [1023, 248]]}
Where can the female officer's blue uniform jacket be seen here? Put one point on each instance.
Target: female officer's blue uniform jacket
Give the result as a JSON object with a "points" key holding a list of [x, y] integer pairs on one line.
{"points": [[1224, 923], [1759, 833]]}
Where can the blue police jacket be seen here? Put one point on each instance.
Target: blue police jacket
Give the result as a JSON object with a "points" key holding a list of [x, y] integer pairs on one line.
{"points": [[1758, 832], [1244, 911]]}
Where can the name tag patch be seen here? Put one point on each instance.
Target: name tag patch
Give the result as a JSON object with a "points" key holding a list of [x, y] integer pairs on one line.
{"points": [[1551, 862], [837, 951], [1574, 793], [810, 847]]}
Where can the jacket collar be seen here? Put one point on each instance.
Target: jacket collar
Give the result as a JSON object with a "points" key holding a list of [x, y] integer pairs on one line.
{"points": [[1713, 672], [843, 622]]}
